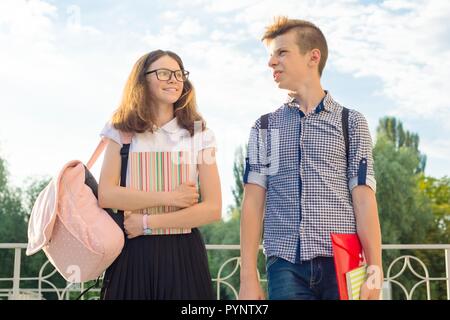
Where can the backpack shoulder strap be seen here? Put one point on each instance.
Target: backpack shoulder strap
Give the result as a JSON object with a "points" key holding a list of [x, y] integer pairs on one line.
{"points": [[264, 120], [264, 124], [97, 152], [125, 138], [345, 112]]}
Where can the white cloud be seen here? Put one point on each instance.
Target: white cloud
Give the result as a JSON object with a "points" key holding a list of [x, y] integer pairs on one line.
{"points": [[169, 15], [74, 24], [229, 6], [30, 20], [190, 26], [399, 4], [166, 38], [438, 148], [399, 49]]}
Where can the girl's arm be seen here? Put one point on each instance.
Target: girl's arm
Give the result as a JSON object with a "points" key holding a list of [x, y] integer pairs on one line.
{"points": [[112, 195]]}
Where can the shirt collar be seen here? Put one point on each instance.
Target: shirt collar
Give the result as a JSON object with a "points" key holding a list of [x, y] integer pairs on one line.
{"points": [[171, 126], [325, 104]]}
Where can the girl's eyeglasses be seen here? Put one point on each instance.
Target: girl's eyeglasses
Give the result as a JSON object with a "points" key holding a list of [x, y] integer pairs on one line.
{"points": [[166, 74]]}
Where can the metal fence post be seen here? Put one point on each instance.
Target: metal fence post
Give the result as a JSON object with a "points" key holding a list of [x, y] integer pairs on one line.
{"points": [[447, 271], [16, 277]]}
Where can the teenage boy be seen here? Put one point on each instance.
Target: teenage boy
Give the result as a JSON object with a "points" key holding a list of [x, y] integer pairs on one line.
{"points": [[303, 180]]}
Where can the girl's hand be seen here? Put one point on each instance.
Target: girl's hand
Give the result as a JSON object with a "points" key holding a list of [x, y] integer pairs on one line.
{"points": [[185, 195], [133, 225]]}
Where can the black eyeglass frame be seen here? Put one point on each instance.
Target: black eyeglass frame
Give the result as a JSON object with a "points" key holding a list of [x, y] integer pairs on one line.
{"points": [[185, 74]]}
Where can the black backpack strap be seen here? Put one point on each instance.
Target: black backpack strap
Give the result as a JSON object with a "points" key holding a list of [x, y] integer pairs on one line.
{"points": [[124, 152], [97, 281], [264, 124], [345, 130], [264, 120]]}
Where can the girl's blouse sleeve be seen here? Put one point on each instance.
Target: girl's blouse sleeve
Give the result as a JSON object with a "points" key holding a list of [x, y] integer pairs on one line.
{"points": [[110, 132], [208, 140]]}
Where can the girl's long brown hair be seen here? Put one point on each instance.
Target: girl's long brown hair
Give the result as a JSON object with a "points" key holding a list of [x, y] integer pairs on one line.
{"points": [[136, 112]]}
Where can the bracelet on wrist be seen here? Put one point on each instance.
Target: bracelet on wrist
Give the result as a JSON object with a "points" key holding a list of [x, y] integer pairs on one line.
{"points": [[147, 230]]}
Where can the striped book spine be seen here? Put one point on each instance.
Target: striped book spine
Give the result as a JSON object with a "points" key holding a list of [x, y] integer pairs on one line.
{"points": [[355, 279], [159, 171]]}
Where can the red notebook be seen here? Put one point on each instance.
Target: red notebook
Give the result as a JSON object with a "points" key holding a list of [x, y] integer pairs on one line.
{"points": [[348, 255]]}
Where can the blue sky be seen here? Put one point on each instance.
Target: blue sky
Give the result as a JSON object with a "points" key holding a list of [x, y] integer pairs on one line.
{"points": [[64, 64]]}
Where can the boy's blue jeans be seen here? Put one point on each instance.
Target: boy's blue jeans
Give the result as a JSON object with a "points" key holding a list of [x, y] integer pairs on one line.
{"points": [[309, 280]]}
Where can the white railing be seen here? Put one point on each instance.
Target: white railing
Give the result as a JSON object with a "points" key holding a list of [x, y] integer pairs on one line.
{"points": [[15, 291]]}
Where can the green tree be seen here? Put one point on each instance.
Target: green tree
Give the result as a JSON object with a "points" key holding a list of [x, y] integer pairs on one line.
{"points": [[406, 212], [392, 129], [438, 192], [12, 218], [401, 204], [12, 214], [238, 173]]}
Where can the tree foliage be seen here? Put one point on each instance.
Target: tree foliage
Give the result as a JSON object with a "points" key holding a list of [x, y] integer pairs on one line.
{"points": [[413, 209]]}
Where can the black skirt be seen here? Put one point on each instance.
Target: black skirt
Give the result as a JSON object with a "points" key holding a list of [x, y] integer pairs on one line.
{"points": [[160, 267]]}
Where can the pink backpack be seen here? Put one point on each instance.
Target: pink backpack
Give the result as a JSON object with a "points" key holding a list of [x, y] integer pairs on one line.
{"points": [[79, 238]]}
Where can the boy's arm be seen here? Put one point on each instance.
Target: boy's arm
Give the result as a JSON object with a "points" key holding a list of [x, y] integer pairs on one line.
{"points": [[251, 227], [252, 213], [362, 184], [369, 233]]}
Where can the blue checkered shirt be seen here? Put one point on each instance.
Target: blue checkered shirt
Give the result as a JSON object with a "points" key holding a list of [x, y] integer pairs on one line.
{"points": [[301, 162]]}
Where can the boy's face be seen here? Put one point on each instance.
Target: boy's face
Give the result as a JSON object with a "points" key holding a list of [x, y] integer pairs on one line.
{"points": [[291, 68]]}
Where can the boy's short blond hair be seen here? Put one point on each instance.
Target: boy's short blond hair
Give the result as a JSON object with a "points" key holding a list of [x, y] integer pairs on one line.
{"points": [[309, 36]]}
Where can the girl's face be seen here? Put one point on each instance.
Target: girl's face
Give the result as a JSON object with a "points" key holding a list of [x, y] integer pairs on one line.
{"points": [[168, 89]]}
